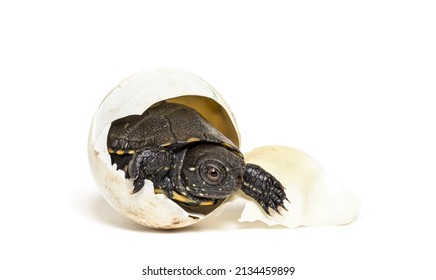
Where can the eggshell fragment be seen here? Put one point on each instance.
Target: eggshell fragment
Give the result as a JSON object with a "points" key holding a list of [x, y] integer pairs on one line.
{"points": [[315, 199]]}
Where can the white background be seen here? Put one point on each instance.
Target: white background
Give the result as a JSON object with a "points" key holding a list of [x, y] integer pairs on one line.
{"points": [[350, 82]]}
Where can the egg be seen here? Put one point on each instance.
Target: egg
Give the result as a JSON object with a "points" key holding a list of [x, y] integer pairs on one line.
{"points": [[133, 96]]}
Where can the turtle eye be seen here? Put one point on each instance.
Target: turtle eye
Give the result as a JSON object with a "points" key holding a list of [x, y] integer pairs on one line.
{"points": [[212, 174]]}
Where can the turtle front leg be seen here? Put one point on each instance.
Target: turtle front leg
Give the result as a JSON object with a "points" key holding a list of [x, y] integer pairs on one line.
{"points": [[151, 164], [264, 188]]}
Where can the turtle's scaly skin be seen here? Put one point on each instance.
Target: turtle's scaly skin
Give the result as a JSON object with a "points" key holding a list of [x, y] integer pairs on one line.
{"points": [[257, 184], [187, 158]]}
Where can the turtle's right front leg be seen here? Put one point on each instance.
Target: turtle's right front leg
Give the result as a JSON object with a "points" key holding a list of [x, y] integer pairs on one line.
{"points": [[152, 164], [264, 188]]}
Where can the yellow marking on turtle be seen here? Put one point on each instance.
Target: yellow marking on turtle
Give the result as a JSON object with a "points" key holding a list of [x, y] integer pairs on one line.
{"points": [[110, 150], [207, 203], [158, 191], [131, 152], [166, 144], [184, 199], [238, 153], [228, 145], [166, 168], [192, 139], [120, 152], [232, 148]]}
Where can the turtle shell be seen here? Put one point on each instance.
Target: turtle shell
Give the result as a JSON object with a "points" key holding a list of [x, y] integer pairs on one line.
{"points": [[164, 124]]}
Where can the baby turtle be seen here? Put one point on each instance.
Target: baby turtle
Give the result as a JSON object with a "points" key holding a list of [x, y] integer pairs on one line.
{"points": [[187, 158]]}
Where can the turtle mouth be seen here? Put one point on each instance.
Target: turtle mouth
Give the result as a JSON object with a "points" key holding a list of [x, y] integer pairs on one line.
{"points": [[212, 194]]}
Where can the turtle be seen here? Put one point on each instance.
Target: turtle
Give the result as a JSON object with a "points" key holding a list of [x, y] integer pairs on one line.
{"points": [[187, 159]]}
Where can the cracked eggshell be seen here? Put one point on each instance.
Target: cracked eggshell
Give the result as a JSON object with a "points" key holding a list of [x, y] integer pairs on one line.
{"points": [[315, 199], [133, 96]]}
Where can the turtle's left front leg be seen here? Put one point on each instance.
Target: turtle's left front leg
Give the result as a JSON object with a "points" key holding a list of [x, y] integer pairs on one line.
{"points": [[264, 188], [152, 164]]}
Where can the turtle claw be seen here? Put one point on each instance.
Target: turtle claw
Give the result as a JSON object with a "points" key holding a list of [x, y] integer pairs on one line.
{"points": [[138, 185], [264, 188], [275, 208], [168, 187]]}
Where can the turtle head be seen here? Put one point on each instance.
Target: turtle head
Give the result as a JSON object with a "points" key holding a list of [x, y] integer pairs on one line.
{"points": [[212, 171]]}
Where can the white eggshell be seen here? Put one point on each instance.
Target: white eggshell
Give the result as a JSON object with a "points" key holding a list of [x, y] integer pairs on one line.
{"points": [[315, 199], [133, 96]]}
